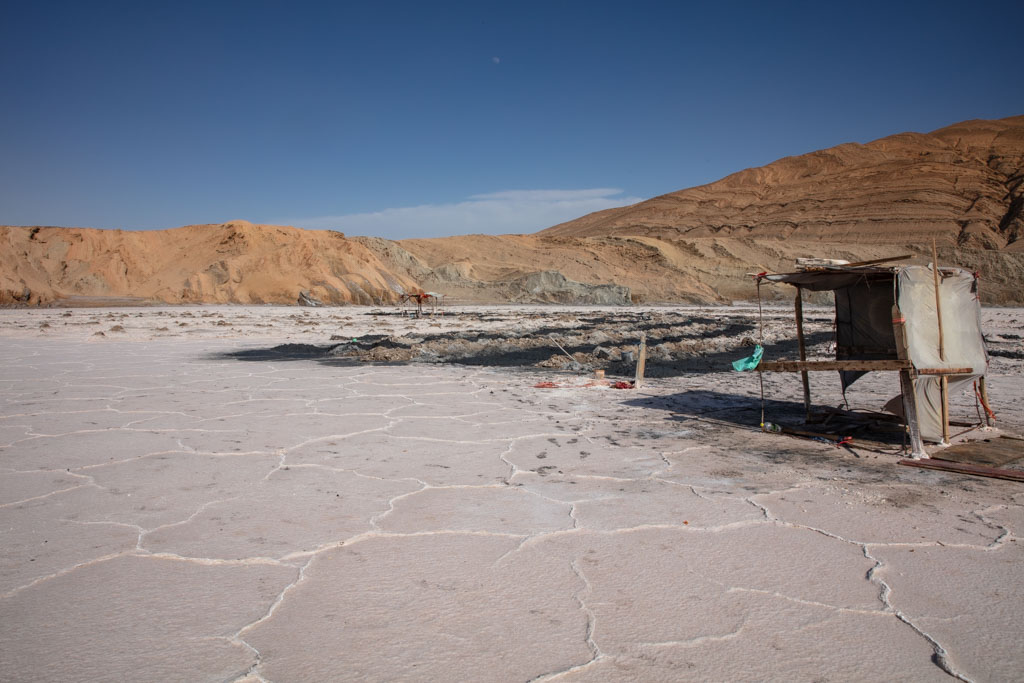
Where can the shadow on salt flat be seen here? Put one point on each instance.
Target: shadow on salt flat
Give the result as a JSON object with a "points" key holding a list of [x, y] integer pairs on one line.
{"points": [[287, 352], [745, 411], [741, 410]]}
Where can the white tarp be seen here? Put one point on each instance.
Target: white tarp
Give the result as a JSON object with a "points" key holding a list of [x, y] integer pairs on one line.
{"points": [[963, 344]]}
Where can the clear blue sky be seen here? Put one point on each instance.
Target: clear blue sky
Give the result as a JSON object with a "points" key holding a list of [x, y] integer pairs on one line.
{"points": [[424, 119]]}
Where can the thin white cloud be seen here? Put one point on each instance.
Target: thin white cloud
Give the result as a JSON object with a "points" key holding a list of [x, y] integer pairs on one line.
{"points": [[494, 213], [496, 60]]}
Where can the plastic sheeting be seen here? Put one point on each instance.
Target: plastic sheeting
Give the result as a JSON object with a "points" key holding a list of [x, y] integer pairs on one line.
{"points": [[963, 343], [864, 324]]}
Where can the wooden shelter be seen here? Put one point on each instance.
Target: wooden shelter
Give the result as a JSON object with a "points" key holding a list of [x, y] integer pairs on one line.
{"points": [[921, 322]]}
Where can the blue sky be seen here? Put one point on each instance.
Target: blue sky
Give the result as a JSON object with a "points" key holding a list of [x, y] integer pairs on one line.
{"points": [[404, 119]]}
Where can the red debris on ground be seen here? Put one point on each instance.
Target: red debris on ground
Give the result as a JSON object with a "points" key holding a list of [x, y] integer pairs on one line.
{"points": [[601, 383]]}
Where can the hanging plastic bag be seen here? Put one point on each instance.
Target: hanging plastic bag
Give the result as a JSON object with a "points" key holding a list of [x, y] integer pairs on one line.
{"points": [[750, 362]]}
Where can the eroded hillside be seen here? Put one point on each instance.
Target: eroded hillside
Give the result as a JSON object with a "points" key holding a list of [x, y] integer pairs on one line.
{"points": [[963, 185]]}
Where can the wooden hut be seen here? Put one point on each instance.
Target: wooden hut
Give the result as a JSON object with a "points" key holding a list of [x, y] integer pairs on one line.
{"points": [[921, 322]]}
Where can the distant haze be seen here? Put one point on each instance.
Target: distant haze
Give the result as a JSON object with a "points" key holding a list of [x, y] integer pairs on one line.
{"points": [[514, 211]]}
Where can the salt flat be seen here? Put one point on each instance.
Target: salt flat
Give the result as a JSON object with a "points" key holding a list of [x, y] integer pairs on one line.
{"points": [[184, 498]]}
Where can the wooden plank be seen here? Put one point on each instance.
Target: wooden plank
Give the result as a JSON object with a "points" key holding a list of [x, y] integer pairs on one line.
{"points": [[995, 452], [822, 365], [878, 260], [813, 435], [867, 365], [798, 305], [964, 468]]}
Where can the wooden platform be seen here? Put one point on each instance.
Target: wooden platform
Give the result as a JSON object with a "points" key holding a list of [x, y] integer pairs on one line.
{"points": [[998, 452], [1001, 458]]}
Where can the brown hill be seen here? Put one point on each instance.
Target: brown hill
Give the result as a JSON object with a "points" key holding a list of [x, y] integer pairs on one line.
{"points": [[236, 262], [961, 184]]}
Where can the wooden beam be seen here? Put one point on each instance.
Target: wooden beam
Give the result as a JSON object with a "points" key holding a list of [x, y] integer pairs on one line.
{"points": [[982, 389], [859, 365], [876, 261], [938, 299], [813, 435], [798, 305], [943, 381], [822, 365]]}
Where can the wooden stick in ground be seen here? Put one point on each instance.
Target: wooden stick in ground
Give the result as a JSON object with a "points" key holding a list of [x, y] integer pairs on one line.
{"points": [[982, 388], [567, 355], [943, 381], [641, 361], [798, 305], [983, 392]]}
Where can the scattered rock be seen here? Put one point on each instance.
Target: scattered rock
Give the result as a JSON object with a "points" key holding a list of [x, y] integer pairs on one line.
{"points": [[551, 287]]}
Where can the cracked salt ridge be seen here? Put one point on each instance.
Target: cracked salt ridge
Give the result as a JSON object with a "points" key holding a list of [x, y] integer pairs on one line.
{"points": [[664, 643], [672, 592], [165, 598], [941, 655]]}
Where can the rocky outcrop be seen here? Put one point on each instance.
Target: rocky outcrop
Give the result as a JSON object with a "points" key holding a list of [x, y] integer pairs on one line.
{"points": [[551, 287], [307, 299]]}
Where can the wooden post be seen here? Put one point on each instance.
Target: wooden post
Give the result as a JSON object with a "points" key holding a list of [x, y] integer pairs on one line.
{"points": [[944, 393], [798, 305], [983, 391], [907, 387], [938, 300], [641, 361], [943, 381]]}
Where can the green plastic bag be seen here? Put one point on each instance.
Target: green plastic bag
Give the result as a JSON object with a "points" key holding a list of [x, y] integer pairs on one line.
{"points": [[750, 362]]}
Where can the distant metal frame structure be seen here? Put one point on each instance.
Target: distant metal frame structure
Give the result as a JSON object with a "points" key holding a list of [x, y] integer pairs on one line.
{"points": [[435, 300]]}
